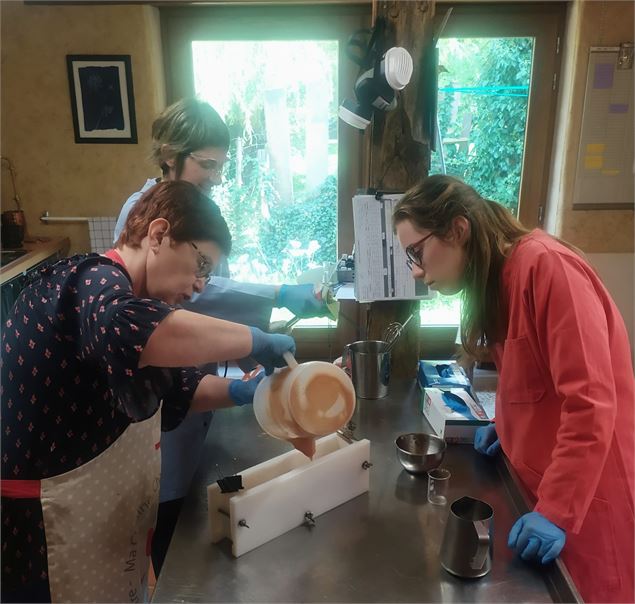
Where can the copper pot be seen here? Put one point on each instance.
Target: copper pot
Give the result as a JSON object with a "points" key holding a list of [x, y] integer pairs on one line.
{"points": [[13, 224]]}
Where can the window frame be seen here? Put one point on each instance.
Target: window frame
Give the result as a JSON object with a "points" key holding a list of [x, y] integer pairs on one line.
{"points": [[181, 25], [543, 21], [546, 23]]}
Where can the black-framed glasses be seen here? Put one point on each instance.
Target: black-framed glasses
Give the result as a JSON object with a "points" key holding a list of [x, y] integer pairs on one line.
{"points": [[209, 163], [204, 265], [414, 252]]}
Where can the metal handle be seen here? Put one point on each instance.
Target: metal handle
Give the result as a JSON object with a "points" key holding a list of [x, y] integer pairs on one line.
{"points": [[482, 550], [290, 359], [290, 323], [46, 218], [347, 361], [392, 338]]}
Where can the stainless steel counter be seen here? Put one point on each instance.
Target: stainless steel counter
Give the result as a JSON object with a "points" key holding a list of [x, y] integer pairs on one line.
{"points": [[380, 547]]}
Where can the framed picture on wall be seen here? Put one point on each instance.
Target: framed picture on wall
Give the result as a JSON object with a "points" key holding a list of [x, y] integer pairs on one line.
{"points": [[102, 98]]}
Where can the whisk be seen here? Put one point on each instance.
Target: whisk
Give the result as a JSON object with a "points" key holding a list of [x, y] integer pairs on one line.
{"points": [[393, 331]]}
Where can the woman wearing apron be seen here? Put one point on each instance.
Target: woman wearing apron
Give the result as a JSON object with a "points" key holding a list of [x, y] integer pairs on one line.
{"points": [[90, 351], [190, 142], [564, 403]]}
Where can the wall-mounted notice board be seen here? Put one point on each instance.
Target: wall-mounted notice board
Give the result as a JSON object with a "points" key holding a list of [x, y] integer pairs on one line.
{"points": [[605, 169]]}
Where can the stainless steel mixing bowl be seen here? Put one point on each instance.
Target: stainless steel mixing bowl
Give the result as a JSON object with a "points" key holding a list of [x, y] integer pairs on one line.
{"points": [[419, 452]]}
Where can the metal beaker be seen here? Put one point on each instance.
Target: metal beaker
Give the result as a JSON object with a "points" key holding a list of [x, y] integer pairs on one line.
{"points": [[368, 364]]}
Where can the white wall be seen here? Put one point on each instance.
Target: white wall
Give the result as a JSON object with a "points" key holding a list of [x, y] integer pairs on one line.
{"points": [[618, 273]]}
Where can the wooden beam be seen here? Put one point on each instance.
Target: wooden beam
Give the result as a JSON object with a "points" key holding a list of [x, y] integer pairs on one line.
{"points": [[179, 3], [400, 150], [401, 139]]}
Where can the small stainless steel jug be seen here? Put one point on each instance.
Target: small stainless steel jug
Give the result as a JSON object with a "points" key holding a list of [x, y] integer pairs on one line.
{"points": [[466, 550], [368, 364]]}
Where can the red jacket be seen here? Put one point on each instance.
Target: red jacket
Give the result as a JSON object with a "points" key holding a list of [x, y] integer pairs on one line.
{"points": [[564, 410]]}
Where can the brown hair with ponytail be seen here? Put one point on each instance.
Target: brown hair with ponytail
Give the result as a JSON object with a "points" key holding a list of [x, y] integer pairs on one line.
{"points": [[184, 127]]}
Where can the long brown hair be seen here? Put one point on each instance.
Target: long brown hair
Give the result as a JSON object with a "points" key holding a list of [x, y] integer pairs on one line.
{"points": [[433, 204]]}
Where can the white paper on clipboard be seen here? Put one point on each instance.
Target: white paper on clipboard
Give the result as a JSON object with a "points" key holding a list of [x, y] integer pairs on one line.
{"points": [[381, 272]]}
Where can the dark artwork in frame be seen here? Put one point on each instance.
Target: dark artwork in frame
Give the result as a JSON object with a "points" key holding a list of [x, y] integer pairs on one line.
{"points": [[102, 98]]}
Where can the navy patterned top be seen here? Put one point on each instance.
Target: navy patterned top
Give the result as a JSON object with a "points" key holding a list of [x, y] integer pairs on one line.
{"points": [[70, 378], [71, 385]]}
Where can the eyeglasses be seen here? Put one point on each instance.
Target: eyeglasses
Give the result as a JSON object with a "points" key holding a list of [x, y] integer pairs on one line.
{"points": [[209, 163], [414, 252], [204, 265]]}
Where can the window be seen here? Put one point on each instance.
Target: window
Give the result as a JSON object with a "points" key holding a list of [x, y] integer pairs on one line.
{"points": [[495, 111], [277, 75], [202, 48], [483, 98], [279, 192]]}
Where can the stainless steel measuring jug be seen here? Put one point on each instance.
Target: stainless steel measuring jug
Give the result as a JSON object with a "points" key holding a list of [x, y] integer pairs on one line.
{"points": [[368, 364], [466, 549]]}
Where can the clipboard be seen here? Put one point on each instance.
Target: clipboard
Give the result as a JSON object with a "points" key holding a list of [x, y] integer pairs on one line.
{"points": [[381, 272]]}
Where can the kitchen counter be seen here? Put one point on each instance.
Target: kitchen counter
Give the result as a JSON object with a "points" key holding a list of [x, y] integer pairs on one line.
{"points": [[37, 251], [382, 546]]}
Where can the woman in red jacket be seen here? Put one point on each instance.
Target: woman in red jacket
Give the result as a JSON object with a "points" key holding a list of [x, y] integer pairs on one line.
{"points": [[565, 399]]}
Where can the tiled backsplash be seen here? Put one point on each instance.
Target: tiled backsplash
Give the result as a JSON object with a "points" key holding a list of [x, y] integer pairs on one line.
{"points": [[101, 233]]}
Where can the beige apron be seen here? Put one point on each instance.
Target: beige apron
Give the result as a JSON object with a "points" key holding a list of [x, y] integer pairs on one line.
{"points": [[99, 520]]}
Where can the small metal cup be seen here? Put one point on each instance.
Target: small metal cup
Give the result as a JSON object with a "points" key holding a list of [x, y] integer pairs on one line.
{"points": [[368, 364], [419, 452]]}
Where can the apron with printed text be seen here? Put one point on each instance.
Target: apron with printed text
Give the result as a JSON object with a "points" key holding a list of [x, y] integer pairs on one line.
{"points": [[99, 519]]}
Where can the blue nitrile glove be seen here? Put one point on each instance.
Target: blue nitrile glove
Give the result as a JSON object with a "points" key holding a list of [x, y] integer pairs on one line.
{"points": [[301, 301], [267, 349], [241, 392], [486, 440], [457, 404], [536, 538]]}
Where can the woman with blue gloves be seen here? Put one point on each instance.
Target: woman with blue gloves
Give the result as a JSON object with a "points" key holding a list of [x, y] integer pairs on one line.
{"points": [[97, 359], [565, 396], [190, 143]]}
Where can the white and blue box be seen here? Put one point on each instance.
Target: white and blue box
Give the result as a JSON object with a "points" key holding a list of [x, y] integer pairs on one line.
{"points": [[442, 374], [454, 414]]}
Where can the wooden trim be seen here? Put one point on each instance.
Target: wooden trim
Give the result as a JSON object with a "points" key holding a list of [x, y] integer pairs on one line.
{"points": [[188, 3], [545, 22], [435, 342], [603, 206]]}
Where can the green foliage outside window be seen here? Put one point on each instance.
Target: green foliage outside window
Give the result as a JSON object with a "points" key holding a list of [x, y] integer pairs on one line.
{"points": [[310, 219], [482, 111], [483, 96], [482, 104], [273, 241]]}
